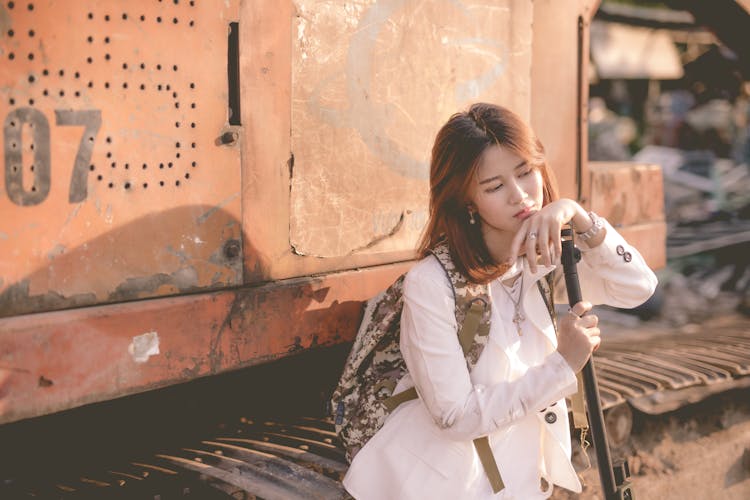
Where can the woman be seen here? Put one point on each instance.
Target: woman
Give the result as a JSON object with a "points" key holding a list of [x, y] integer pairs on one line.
{"points": [[493, 201]]}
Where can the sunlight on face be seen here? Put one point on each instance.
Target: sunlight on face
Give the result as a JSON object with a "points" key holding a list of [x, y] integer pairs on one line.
{"points": [[506, 192]]}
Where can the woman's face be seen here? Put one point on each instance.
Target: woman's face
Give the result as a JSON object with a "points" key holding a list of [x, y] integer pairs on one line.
{"points": [[505, 192]]}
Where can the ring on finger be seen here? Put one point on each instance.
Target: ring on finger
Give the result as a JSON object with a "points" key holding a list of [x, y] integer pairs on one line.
{"points": [[532, 235]]}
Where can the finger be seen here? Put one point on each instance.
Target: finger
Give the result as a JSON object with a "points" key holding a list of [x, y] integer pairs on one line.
{"points": [[590, 320], [556, 236], [567, 320], [593, 332], [581, 308], [515, 245], [531, 246], [545, 249], [595, 342]]}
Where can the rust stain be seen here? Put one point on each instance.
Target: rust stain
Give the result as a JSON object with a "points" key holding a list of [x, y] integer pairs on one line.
{"points": [[183, 280], [199, 335], [234, 315], [296, 346], [15, 299], [162, 254], [57, 250]]}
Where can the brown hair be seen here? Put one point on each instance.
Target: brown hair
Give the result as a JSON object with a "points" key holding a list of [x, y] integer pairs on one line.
{"points": [[455, 158]]}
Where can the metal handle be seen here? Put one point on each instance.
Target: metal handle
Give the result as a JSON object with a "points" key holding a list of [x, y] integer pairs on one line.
{"points": [[613, 490]]}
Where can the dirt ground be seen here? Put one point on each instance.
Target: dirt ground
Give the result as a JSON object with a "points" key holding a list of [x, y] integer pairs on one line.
{"points": [[701, 452]]}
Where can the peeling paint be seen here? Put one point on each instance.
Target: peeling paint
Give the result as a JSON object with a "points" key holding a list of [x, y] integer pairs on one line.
{"points": [[184, 279], [296, 346], [72, 214], [57, 250], [16, 300], [108, 215], [382, 237], [144, 346]]}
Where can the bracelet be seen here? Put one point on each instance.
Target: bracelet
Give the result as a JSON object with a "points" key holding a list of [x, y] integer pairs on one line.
{"points": [[597, 223]]}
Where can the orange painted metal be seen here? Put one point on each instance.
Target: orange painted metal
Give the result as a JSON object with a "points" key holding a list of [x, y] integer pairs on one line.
{"points": [[559, 89], [627, 193], [62, 359], [631, 197], [110, 116]]}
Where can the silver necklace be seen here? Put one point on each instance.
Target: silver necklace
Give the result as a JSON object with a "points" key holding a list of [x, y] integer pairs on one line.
{"points": [[518, 317]]}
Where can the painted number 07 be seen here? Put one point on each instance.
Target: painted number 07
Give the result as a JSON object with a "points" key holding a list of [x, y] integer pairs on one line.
{"points": [[91, 120]]}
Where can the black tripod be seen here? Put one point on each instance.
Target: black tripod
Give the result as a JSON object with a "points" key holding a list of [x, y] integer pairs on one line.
{"points": [[615, 480]]}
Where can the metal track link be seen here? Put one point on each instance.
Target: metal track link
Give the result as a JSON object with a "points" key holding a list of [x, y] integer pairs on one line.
{"points": [[662, 373]]}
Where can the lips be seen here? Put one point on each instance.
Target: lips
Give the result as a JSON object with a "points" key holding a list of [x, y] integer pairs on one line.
{"points": [[525, 213]]}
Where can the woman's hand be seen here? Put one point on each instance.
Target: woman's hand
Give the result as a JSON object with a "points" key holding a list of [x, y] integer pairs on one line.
{"points": [[540, 233], [578, 336]]}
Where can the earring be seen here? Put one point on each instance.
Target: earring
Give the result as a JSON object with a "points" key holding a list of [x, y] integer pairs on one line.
{"points": [[471, 218]]}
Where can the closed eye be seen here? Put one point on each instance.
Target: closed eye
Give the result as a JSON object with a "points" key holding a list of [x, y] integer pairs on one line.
{"points": [[493, 188]]}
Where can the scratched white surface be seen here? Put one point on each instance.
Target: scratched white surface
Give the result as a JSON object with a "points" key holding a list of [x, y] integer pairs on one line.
{"points": [[372, 82]]}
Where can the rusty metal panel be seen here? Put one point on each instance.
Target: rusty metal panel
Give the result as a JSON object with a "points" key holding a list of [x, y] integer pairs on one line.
{"points": [[62, 359], [628, 193], [631, 197], [371, 84], [559, 89], [650, 239], [115, 187]]}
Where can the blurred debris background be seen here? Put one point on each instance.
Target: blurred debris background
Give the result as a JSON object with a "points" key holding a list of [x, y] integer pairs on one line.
{"points": [[670, 85]]}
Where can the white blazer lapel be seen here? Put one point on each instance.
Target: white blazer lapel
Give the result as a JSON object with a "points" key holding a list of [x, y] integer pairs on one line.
{"points": [[533, 303]]}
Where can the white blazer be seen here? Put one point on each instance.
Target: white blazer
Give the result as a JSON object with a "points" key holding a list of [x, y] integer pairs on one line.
{"points": [[425, 450]]}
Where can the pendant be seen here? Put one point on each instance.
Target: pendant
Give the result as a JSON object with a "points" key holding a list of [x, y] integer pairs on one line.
{"points": [[517, 319]]}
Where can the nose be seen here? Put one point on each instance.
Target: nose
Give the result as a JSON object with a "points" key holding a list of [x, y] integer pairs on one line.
{"points": [[516, 193]]}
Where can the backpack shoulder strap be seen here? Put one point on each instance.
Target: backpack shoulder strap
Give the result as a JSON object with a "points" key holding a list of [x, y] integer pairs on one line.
{"points": [[473, 312], [472, 307]]}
